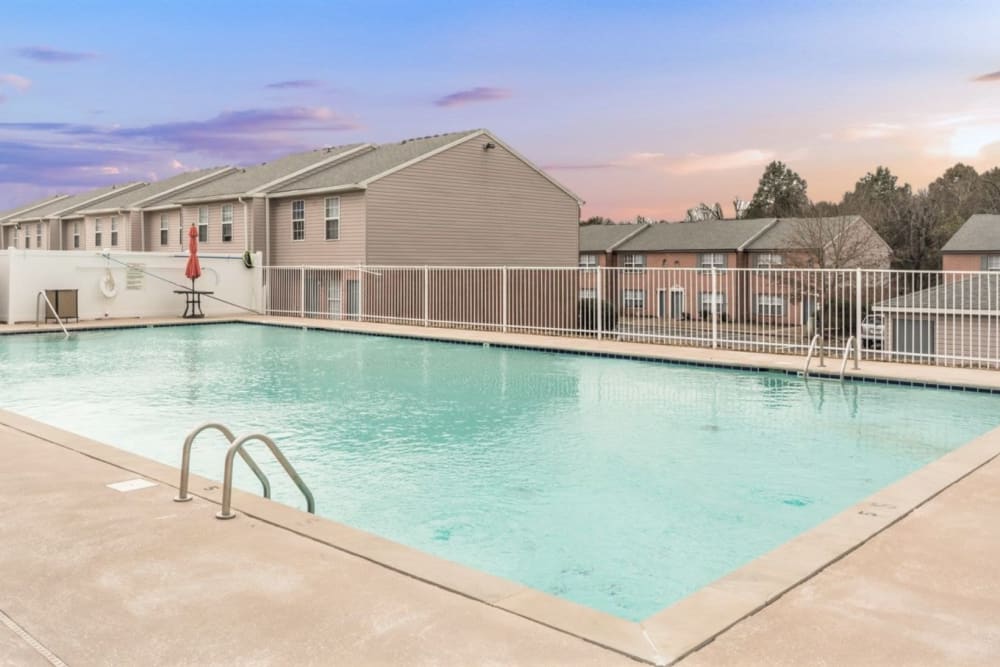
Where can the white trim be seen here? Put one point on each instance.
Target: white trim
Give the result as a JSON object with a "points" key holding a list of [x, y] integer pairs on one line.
{"points": [[316, 166], [77, 210], [756, 235], [32, 207], [137, 205], [611, 248], [293, 220], [351, 187]]}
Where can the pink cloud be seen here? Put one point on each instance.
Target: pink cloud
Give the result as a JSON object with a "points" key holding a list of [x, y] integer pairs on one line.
{"points": [[478, 94], [15, 81], [694, 164], [992, 76]]}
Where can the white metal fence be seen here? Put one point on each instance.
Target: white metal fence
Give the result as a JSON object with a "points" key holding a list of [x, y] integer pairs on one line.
{"points": [[930, 317]]}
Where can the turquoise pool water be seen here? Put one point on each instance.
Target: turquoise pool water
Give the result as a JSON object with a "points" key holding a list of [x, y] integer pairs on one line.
{"points": [[618, 484]]}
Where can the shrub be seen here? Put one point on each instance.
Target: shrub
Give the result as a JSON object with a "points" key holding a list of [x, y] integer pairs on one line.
{"points": [[587, 315]]}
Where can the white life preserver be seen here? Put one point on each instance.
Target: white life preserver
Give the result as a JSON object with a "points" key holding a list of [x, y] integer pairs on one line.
{"points": [[108, 286]]}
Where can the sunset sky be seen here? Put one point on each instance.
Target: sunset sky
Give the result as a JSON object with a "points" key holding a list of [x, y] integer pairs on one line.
{"points": [[639, 107]]}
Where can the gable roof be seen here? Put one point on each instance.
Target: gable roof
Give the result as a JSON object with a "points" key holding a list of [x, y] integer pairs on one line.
{"points": [[716, 235], [975, 293], [602, 238], [787, 233], [384, 159], [246, 180], [26, 208], [74, 203], [980, 233], [152, 191]]}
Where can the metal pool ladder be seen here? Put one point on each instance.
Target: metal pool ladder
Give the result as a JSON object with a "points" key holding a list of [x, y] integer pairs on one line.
{"points": [[852, 343], [236, 446], [38, 302], [817, 343]]}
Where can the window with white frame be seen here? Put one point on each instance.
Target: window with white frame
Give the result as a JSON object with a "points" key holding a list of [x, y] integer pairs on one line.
{"points": [[709, 301], [17, 232], [180, 229], [993, 263], [633, 298], [712, 260], [298, 220], [114, 231], [769, 260], [38, 235], [332, 218], [588, 261], [770, 305], [588, 293], [164, 230], [27, 239], [98, 232], [634, 262], [227, 222], [76, 235], [202, 224]]}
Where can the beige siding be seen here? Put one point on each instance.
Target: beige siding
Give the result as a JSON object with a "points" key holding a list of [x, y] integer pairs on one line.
{"points": [[349, 249], [968, 336], [151, 220], [257, 224], [467, 206], [67, 235], [215, 242], [89, 230]]}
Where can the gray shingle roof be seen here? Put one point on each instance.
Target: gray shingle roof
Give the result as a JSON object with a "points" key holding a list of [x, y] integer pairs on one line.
{"points": [[151, 190], [787, 233], [980, 292], [250, 178], [692, 236], [598, 238], [381, 158], [980, 233], [73, 203], [12, 212]]}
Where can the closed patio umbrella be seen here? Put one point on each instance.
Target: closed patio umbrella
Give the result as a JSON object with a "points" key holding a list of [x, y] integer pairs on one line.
{"points": [[193, 269]]}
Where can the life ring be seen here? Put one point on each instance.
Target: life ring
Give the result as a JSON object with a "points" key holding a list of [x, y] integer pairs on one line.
{"points": [[248, 259], [108, 286]]}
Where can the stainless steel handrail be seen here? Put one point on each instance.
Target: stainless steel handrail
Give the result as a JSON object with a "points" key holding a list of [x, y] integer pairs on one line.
{"points": [[182, 493], [852, 341], [52, 309], [812, 346], [227, 481]]}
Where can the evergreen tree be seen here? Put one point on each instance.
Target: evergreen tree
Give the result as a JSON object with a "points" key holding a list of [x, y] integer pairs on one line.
{"points": [[781, 193]]}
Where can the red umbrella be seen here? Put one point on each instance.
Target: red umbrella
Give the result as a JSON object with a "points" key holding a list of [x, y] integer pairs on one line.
{"points": [[193, 269]]}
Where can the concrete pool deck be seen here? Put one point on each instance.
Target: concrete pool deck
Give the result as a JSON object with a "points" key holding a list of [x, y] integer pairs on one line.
{"points": [[844, 574]]}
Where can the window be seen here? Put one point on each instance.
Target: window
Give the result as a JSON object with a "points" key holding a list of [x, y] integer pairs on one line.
{"points": [[992, 263], [332, 218], [76, 235], [588, 261], [588, 293], [770, 305], [769, 260], [38, 235], [17, 232], [298, 220], [98, 235], [709, 301], [633, 298], [227, 222], [27, 239], [114, 231], [712, 260], [635, 262], [202, 225], [164, 230]]}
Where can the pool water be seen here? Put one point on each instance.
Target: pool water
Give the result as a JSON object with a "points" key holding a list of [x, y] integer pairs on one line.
{"points": [[618, 484]]}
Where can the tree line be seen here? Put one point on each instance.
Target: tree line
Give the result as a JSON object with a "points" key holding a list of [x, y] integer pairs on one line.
{"points": [[915, 223]]}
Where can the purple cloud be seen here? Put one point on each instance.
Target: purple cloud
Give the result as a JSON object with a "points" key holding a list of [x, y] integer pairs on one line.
{"points": [[2, 99], [580, 166], [478, 94], [992, 76], [295, 83], [67, 166], [46, 54]]}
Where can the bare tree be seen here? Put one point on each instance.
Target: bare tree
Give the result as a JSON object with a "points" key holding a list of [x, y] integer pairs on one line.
{"points": [[704, 212], [835, 242]]}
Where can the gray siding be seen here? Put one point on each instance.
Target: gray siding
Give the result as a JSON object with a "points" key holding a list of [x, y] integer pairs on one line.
{"points": [[151, 221], [349, 249], [467, 206]]}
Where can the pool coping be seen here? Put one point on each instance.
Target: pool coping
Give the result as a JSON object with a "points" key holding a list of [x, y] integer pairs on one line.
{"points": [[662, 638]]}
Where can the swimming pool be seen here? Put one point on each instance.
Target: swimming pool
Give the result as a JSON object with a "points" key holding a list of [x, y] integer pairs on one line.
{"points": [[618, 484]]}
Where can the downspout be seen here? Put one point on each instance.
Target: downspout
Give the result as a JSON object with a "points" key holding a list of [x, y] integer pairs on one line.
{"points": [[267, 231], [246, 227]]}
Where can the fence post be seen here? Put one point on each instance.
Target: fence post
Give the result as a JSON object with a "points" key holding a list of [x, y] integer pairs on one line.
{"points": [[599, 311], [857, 318], [361, 292], [302, 291], [715, 308], [503, 299], [427, 287]]}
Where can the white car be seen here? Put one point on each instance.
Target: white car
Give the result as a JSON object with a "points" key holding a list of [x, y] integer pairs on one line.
{"points": [[872, 330]]}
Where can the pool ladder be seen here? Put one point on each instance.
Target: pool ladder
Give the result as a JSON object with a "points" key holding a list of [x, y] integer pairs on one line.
{"points": [[42, 296], [236, 446]]}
